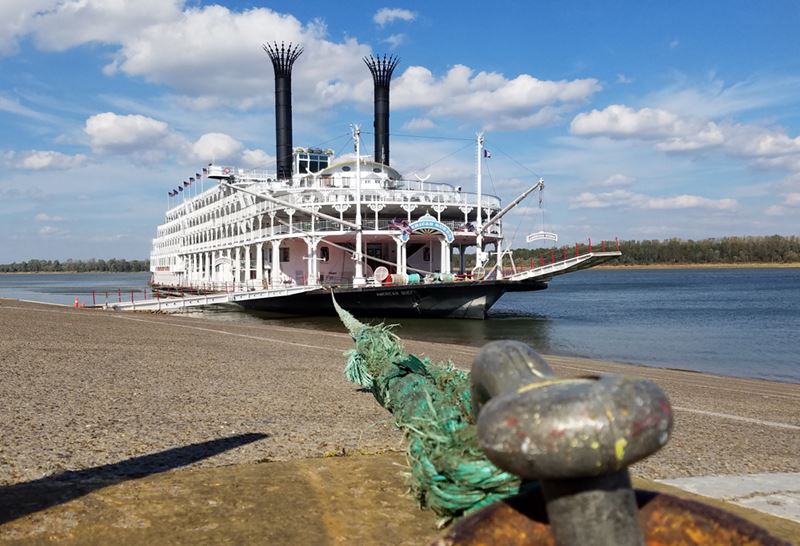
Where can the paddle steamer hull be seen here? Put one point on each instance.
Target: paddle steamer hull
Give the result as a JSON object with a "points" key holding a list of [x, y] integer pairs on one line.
{"points": [[446, 300]]}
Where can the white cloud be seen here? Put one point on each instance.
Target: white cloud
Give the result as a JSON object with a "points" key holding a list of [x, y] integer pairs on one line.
{"points": [[69, 23], [771, 148], [43, 217], [674, 43], [418, 124], [216, 147], [622, 78], [619, 120], [121, 134], [13, 106], [627, 199], [714, 99], [46, 159], [214, 55], [51, 231], [40, 160], [616, 181], [15, 20], [257, 159], [489, 97], [395, 40], [385, 16]]}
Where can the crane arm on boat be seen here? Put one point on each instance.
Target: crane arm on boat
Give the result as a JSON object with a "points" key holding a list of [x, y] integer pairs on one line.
{"points": [[511, 205]]}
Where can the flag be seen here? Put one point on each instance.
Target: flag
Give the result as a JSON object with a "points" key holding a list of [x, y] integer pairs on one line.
{"points": [[205, 171], [169, 193], [191, 180], [197, 176], [401, 224], [180, 188], [487, 153]]}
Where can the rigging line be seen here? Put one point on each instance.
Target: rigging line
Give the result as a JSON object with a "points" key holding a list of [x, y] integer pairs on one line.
{"points": [[347, 143], [351, 251], [534, 173], [423, 136], [428, 166], [491, 178]]}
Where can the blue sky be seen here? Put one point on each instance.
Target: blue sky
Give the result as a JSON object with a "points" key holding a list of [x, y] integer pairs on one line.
{"points": [[646, 119]]}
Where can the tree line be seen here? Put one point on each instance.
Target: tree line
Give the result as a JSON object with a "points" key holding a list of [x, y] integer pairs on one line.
{"points": [[77, 266], [726, 250]]}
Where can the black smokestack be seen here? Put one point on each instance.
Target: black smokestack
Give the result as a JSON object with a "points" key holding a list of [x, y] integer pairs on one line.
{"points": [[381, 68], [283, 58]]}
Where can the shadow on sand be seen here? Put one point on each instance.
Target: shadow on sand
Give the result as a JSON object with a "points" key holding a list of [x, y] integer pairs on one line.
{"points": [[26, 498]]}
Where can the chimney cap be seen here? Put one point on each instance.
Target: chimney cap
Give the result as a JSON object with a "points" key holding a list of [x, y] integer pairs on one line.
{"points": [[382, 67], [283, 56]]}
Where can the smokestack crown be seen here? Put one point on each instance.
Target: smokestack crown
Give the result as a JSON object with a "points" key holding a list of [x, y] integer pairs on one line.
{"points": [[283, 57], [381, 68]]}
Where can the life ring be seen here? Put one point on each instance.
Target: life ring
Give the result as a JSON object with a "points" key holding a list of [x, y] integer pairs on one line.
{"points": [[226, 170]]}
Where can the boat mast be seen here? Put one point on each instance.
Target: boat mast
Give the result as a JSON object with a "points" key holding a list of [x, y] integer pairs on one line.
{"points": [[479, 221], [358, 277]]}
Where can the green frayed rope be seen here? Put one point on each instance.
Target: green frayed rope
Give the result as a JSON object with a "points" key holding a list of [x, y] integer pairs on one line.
{"points": [[431, 403]]}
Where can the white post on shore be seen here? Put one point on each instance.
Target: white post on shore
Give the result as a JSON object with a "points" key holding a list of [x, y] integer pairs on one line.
{"points": [[358, 277], [479, 221]]}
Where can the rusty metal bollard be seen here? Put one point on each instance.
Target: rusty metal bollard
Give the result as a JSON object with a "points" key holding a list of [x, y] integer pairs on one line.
{"points": [[577, 437]]}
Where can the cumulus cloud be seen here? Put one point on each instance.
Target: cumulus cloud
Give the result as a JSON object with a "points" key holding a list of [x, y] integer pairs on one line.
{"points": [[489, 97], [122, 134], [627, 199], [672, 133], [41, 160], [211, 56], [257, 159], [214, 53], [216, 147], [384, 16], [15, 20]]}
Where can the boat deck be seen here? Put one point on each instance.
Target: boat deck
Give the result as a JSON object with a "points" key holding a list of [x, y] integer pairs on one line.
{"points": [[541, 273]]}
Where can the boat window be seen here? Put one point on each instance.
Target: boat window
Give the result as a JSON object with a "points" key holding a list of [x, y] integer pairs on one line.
{"points": [[346, 168], [314, 166], [303, 167], [375, 250], [324, 253], [376, 169], [284, 254]]}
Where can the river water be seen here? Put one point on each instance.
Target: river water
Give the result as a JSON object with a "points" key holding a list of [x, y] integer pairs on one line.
{"points": [[736, 322]]}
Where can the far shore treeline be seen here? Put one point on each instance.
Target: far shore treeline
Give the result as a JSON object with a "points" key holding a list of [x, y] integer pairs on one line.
{"points": [[77, 266], [774, 249]]}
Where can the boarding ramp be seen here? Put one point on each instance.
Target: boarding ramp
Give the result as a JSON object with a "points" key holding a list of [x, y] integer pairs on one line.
{"points": [[561, 267], [186, 302]]}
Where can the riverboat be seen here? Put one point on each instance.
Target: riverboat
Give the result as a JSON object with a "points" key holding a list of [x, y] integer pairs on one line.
{"points": [[385, 244]]}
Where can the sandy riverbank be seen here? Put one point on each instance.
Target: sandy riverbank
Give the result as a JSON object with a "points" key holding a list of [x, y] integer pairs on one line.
{"points": [[123, 393], [83, 388]]}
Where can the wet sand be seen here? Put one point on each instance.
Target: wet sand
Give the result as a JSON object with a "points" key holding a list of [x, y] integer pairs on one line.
{"points": [[130, 394]]}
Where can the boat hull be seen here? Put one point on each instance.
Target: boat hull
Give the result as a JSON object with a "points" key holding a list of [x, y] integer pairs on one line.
{"points": [[451, 300]]}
